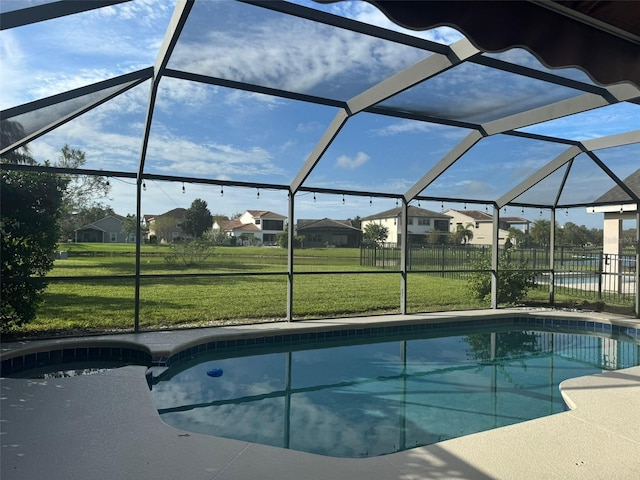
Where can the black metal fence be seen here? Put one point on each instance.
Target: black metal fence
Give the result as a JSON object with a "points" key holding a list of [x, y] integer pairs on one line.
{"points": [[585, 273]]}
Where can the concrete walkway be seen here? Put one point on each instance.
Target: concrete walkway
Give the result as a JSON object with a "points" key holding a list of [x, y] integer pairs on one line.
{"points": [[105, 426]]}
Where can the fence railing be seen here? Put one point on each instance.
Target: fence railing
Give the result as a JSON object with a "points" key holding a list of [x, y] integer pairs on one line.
{"points": [[587, 273]]}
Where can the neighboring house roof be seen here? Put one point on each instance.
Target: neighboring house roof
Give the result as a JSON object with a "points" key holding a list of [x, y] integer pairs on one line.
{"points": [[233, 225], [89, 226], [617, 195], [95, 226], [266, 213], [412, 212], [306, 224], [175, 213], [476, 215], [514, 220], [480, 216]]}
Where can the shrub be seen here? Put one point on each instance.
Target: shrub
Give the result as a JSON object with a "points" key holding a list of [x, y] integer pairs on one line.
{"points": [[514, 281], [30, 230], [189, 252]]}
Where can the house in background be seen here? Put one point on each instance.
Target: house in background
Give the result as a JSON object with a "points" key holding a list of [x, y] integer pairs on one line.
{"points": [[481, 225], [420, 222], [105, 230], [166, 227], [619, 207], [327, 232], [254, 227]]}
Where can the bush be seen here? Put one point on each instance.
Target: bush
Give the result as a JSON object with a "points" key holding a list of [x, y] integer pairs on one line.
{"points": [[190, 252], [513, 280], [30, 230], [283, 240]]}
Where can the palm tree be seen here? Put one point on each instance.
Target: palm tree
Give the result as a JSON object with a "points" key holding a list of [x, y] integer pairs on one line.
{"points": [[464, 233], [10, 133]]}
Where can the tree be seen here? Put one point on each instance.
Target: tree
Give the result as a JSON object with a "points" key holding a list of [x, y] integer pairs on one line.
{"points": [[356, 221], [69, 223], [198, 219], [219, 217], [29, 223], [573, 235], [283, 239], [463, 234], [218, 237], [375, 233], [437, 237], [130, 227], [628, 237], [540, 233], [163, 228], [516, 236], [82, 191], [11, 132]]}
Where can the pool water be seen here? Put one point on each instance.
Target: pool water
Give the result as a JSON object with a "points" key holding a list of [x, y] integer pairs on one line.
{"points": [[372, 399]]}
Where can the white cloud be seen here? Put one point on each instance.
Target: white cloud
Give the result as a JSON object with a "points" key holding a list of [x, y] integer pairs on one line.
{"points": [[237, 98], [147, 12], [293, 55], [52, 57], [404, 126], [343, 161], [14, 70], [367, 13], [310, 127], [181, 156]]}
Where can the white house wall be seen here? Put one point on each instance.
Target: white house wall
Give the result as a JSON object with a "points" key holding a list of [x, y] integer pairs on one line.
{"points": [[482, 230], [394, 226]]}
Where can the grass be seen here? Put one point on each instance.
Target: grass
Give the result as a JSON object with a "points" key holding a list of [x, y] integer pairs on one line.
{"points": [[99, 305]]}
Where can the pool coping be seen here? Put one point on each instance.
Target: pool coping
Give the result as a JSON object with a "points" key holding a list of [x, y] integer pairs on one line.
{"points": [[163, 347], [598, 438]]}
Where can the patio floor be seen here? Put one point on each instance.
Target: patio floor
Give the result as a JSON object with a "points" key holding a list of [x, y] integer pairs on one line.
{"points": [[106, 426]]}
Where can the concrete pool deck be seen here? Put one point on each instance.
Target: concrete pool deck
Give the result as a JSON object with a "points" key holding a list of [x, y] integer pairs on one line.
{"points": [[106, 425]]}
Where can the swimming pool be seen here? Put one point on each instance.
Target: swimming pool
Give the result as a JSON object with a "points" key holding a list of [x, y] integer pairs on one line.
{"points": [[73, 360], [355, 393]]}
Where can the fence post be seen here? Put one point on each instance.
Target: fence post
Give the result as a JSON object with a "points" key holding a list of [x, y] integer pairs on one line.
{"points": [[600, 273]]}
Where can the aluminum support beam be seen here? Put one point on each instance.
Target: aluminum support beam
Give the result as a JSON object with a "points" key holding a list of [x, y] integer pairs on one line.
{"points": [[404, 232], [552, 249], [563, 183], [410, 76], [290, 238], [314, 157], [494, 257], [539, 175], [128, 82], [178, 19], [571, 106], [438, 169], [625, 188], [619, 140], [49, 11], [582, 103], [636, 274]]}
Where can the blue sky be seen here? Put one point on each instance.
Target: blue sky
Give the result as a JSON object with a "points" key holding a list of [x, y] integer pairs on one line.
{"points": [[208, 131]]}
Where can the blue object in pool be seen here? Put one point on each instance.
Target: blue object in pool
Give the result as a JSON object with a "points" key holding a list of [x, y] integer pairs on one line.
{"points": [[215, 372]]}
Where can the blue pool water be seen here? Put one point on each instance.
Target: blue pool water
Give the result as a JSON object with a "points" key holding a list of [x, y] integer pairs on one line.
{"points": [[355, 399]]}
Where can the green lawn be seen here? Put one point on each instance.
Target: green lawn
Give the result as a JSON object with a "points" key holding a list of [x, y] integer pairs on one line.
{"points": [[98, 304]]}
